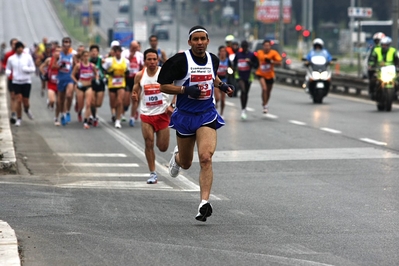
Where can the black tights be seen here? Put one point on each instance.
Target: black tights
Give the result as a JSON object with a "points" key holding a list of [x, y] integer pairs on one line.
{"points": [[244, 87]]}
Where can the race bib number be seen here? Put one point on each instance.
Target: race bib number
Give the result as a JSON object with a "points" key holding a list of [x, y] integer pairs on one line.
{"points": [[152, 95], [53, 78], [243, 65], [265, 67], [117, 81], [206, 91]]}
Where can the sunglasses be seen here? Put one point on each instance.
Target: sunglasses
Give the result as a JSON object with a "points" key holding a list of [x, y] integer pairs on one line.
{"points": [[66, 42]]}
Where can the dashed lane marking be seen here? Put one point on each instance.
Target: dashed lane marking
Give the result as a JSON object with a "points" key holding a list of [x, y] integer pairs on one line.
{"points": [[374, 141], [104, 164], [117, 185], [330, 130], [295, 122]]}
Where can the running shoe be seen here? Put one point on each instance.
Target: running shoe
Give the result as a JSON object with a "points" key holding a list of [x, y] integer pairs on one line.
{"points": [[204, 211], [153, 178], [243, 115], [68, 117], [95, 122], [123, 118], [80, 119], [118, 124], [174, 168], [13, 119], [90, 121], [29, 114], [63, 120], [18, 122], [265, 109], [131, 122], [57, 123], [86, 126]]}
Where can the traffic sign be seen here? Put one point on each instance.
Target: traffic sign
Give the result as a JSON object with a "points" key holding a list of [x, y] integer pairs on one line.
{"points": [[360, 12]]}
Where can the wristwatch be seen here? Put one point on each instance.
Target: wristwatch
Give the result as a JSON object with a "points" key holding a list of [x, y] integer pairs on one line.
{"points": [[173, 105]]}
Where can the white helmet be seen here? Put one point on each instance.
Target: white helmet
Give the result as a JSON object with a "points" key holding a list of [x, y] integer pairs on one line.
{"points": [[229, 38], [386, 40], [115, 43], [378, 36], [318, 41]]}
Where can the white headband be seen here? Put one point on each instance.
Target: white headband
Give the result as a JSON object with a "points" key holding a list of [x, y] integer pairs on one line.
{"points": [[197, 30]]}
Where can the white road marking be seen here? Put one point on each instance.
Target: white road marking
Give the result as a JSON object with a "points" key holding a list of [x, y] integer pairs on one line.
{"points": [[270, 116], [297, 122], [104, 164], [93, 154], [228, 103], [105, 175], [330, 130], [374, 141], [117, 185], [180, 181], [301, 154], [30, 21], [250, 109]]}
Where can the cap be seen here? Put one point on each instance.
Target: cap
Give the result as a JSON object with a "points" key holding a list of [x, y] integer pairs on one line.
{"points": [[115, 43]]}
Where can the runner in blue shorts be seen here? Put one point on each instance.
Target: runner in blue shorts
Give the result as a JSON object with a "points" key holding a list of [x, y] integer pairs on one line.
{"points": [[192, 76]]}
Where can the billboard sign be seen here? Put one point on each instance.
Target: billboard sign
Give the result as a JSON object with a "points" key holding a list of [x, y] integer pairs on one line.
{"points": [[268, 11]]}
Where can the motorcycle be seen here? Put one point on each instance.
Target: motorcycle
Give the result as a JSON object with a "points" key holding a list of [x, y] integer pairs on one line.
{"points": [[318, 77], [385, 91]]}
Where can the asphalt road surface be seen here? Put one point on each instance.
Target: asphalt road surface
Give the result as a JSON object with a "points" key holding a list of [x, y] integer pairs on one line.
{"points": [[305, 185]]}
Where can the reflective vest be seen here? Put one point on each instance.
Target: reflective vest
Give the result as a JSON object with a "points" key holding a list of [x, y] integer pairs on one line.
{"points": [[390, 55]]}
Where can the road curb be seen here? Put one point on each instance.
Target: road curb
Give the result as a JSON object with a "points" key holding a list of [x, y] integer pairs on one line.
{"points": [[7, 153], [8, 246]]}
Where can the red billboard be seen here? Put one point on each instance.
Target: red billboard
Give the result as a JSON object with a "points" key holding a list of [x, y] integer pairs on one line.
{"points": [[268, 11]]}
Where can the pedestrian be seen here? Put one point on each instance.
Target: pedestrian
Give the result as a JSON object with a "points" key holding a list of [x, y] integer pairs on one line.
{"points": [[117, 69], [65, 84], [98, 88], [87, 72], [136, 63], [21, 66], [153, 40], [49, 70], [191, 75], [222, 72], [244, 62], [8, 54], [155, 110], [267, 58]]}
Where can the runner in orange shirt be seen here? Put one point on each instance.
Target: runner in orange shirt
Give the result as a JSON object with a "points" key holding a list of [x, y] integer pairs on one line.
{"points": [[268, 58]]}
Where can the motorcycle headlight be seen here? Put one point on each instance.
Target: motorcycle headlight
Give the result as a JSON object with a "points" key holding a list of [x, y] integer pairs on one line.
{"points": [[316, 75], [324, 75]]}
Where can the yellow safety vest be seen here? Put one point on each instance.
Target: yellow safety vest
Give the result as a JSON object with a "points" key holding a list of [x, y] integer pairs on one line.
{"points": [[389, 57], [117, 80]]}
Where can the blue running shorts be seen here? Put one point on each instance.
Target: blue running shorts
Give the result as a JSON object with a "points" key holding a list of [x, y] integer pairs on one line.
{"points": [[187, 124]]}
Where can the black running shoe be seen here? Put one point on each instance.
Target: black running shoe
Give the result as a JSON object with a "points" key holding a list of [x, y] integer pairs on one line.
{"points": [[204, 211]]}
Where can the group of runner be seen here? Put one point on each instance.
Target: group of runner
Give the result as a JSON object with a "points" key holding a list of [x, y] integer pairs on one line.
{"points": [[81, 75], [242, 62]]}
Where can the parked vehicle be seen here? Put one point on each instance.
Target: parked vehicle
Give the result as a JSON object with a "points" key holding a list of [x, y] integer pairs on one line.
{"points": [[318, 77], [123, 6], [385, 91], [162, 32]]}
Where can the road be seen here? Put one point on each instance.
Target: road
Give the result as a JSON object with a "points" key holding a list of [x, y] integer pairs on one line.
{"points": [[305, 185]]}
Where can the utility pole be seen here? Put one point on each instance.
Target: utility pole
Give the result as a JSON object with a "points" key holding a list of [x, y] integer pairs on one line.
{"points": [[359, 30], [281, 26], [351, 27], [178, 15], [131, 16], [395, 10]]}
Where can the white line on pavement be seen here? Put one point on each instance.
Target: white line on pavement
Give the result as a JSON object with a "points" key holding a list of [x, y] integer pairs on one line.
{"points": [[8, 246], [117, 185], [104, 164], [297, 122], [374, 141], [330, 130], [271, 116], [93, 154]]}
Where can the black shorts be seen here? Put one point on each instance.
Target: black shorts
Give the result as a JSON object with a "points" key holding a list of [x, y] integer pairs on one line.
{"points": [[98, 87], [268, 81], [9, 85], [23, 89], [129, 84], [115, 90], [84, 88]]}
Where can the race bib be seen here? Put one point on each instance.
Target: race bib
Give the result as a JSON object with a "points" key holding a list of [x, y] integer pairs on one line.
{"points": [[117, 81], [265, 67], [152, 95]]}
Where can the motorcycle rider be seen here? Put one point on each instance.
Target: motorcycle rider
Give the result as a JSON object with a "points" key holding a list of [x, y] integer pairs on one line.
{"points": [[385, 55], [377, 37], [318, 49]]}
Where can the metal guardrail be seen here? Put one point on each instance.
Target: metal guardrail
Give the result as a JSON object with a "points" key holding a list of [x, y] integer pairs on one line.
{"points": [[339, 83]]}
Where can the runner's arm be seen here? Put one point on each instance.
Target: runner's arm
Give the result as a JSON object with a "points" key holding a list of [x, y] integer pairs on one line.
{"points": [[74, 71], [43, 65], [136, 87]]}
